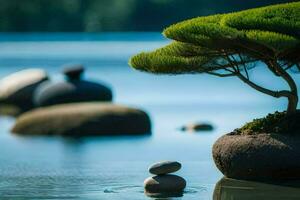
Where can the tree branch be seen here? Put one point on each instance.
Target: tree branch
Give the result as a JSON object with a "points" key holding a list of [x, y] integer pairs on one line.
{"points": [[290, 81], [222, 75], [276, 94], [244, 65]]}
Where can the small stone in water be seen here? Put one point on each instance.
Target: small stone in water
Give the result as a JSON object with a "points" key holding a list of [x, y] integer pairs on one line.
{"points": [[197, 127], [165, 167], [164, 184]]}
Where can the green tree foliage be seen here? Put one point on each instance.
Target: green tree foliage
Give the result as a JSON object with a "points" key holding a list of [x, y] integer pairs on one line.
{"points": [[231, 45]]}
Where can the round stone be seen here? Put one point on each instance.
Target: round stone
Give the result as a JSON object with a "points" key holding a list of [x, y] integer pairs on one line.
{"points": [[73, 72], [71, 92], [197, 127], [164, 184], [164, 167], [83, 119], [18, 88], [258, 156]]}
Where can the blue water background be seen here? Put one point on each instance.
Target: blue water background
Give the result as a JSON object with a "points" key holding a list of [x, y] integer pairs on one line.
{"points": [[115, 167]]}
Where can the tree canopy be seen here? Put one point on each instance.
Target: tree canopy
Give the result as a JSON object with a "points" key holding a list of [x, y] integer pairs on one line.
{"points": [[231, 44]]}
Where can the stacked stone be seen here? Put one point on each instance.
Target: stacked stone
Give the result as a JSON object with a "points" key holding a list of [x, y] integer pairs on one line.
{"points": [[163, 182]]}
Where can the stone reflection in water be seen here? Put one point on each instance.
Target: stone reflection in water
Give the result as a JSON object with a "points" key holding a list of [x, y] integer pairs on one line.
{"points": [[168, 196], [232, 189]]}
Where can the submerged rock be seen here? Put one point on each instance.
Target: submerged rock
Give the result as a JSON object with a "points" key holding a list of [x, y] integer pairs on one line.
{"points": [[197, 127], [164, 184], [164, 167], [258, 156], [83, 119], [73, 90], [18, 88]]}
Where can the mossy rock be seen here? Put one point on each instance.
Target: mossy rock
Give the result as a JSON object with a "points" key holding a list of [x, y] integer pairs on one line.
{"points": [[83, 119], [264, 149], [258, 156]]}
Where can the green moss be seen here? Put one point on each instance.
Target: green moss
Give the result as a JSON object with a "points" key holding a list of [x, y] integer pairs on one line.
{"points": [[278, 122]]}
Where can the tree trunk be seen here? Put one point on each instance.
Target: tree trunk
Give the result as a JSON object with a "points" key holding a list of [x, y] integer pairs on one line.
{"points": [[293, 94], [292, 104]]}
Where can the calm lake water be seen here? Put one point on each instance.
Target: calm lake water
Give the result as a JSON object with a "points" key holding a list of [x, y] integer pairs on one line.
{"points": [[115, 167]]}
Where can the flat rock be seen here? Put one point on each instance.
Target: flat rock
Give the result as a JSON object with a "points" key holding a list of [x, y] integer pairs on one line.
{"points": [[164, 167], [18, 88], [163, 184], [83, 119]]}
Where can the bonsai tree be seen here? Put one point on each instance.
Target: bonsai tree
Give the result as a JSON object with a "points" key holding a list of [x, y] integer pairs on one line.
{"points": [[227, 45]]}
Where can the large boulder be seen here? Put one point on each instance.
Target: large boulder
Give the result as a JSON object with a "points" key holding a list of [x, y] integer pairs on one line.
{"points": [[258, 156], [17, 89], [72, 90], [83, 119]]}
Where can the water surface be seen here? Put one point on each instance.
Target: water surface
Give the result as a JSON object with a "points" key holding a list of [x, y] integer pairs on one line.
{"points": [[115, 167]]}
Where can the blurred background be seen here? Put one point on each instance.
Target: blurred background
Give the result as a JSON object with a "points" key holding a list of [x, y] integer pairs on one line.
{"points": [[110, 15], [102, 35]]}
